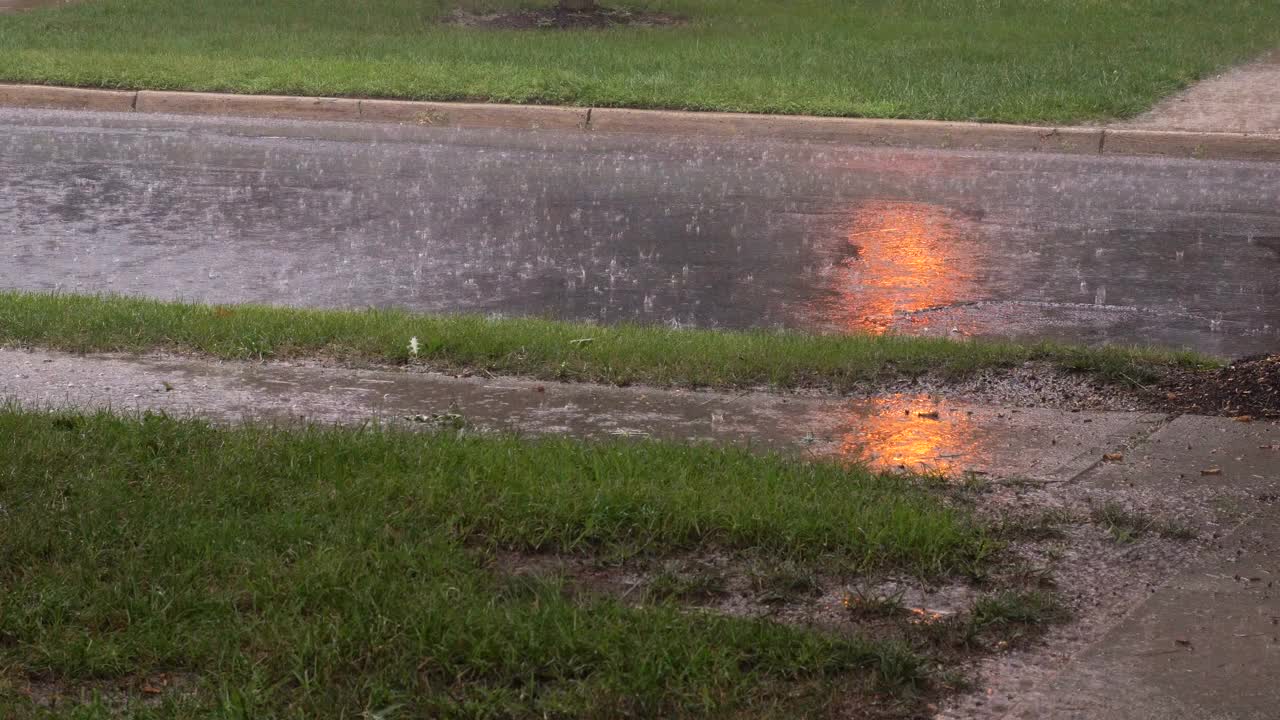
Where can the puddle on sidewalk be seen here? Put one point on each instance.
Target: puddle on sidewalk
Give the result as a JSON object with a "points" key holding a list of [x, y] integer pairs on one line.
{"points": [[908, 432], [911, 432]]}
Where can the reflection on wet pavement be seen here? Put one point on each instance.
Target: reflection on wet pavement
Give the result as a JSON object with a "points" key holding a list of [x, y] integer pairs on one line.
{"points": [[890, 433], [926, 616], [614, 227], [910, 432], [899, 257]]}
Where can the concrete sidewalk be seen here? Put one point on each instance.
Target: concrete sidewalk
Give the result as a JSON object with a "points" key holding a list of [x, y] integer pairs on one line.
{"points": [[916, 432], [1245, 99], [1205, 646]]}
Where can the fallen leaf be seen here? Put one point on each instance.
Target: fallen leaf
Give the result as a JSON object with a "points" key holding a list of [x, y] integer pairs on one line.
{"points": [[150, 690], [1244, 418], [1211, 471], [1113, 457]]}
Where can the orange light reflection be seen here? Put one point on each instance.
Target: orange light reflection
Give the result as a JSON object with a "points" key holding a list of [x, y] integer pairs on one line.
{"points": [[899, 257], [901, 432], [924, 616]]}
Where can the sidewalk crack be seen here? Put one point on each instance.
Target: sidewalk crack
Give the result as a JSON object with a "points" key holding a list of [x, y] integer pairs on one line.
{"points": [[1128, 445]]}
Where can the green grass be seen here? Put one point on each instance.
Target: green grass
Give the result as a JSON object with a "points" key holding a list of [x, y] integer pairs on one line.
{"points": [[1015, 608], [551, 350], [1000, 60], [1126, 525], [327, 573], [998, 620]]}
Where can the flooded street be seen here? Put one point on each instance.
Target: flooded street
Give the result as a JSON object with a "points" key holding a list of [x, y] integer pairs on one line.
{"points": [[707, 233]]}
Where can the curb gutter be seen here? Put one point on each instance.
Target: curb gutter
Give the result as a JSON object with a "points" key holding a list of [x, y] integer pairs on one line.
{"points": [[853, 131]]}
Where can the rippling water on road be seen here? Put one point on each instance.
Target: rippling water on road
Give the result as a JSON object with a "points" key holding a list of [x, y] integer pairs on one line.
{"points": [[711, 233]]}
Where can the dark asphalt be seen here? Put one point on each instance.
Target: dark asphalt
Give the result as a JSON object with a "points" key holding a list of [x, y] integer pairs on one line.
{"points": [[712, 233]]}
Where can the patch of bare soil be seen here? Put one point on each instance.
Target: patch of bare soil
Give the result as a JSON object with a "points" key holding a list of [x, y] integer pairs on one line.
{"points": [[555, 18], [1247, 387], [1250, 386], [121, 697], [1033, 384], [17, 5]]}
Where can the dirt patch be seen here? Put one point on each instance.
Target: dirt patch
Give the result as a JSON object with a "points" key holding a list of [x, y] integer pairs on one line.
{"points": [[1032, 384], [557, 19], [7, 6], [121, 697], [1246, 387]]}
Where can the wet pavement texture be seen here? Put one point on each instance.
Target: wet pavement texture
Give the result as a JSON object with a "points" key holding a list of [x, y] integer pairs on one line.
{"points": [[1205, 646], [920, 433], [723, 233], [1160, 631]]}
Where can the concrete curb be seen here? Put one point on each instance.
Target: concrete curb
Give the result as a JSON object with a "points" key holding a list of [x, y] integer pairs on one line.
{"points": [[272, 106], [64, 98], [853, 131], [477, 115], [1208, 146], [895, 133]]}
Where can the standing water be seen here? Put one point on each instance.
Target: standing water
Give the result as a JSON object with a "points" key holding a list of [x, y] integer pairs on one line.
{"points": [[610, 228]]}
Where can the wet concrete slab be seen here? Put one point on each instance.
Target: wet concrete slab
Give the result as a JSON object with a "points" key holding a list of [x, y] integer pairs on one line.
{"points": [[1211, 468], [704, 232], [1133, 600], [1205, 646], [1244, 99], [918, 433], [1202, 642], [1206, 451]]}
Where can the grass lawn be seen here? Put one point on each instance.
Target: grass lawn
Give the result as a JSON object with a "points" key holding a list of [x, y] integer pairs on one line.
{"points": [[997, 60], [545, 349], [156, 568]]}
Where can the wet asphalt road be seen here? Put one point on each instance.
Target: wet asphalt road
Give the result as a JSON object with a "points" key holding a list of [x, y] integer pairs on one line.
{"points": [[711, 233]]}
